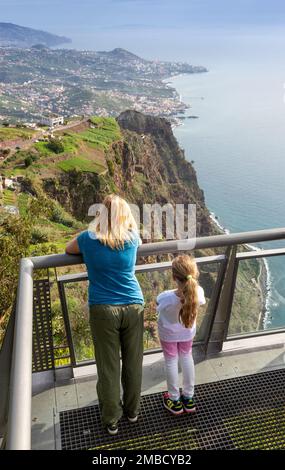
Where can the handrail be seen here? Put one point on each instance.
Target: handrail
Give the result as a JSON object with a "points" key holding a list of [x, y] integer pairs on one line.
{"points": [[19, 421], [173, 246], [141, 268]]}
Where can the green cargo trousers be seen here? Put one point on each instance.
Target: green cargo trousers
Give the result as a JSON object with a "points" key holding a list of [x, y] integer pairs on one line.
{"points": [[118, 328]]}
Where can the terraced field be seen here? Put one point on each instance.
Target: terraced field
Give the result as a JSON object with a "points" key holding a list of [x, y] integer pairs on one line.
{"points": [[82, 148], [11, 134]]}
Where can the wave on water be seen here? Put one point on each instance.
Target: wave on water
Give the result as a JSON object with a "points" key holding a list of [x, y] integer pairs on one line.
{"points": [[268, 282], [269, 297], [214, 218]]}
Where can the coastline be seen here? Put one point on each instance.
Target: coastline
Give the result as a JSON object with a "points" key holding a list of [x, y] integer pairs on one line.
{"points": [[175, 117], [263, 282]]}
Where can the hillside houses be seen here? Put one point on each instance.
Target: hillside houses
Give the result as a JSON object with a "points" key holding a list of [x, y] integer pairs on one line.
{"points": [[12, 183]]}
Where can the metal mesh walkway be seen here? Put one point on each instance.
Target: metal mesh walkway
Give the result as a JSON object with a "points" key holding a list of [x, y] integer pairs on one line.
{"points": [[241, 413]]}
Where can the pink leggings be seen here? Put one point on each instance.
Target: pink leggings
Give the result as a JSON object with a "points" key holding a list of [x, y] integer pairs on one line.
{"points": [[173, 349], [173, 352]]}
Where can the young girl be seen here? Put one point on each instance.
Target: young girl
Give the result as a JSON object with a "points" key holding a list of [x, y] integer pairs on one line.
{"points": [[177, 311]]}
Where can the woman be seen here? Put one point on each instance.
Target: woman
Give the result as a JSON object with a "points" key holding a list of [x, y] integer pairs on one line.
{"points": [[116, 304]]}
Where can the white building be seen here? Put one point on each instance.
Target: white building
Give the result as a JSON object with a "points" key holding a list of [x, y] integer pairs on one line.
{"points": [[52, 120], [10, 183]]}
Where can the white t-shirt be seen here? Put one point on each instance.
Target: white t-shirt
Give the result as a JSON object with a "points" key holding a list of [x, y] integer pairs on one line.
{"points": [[168, 308]]}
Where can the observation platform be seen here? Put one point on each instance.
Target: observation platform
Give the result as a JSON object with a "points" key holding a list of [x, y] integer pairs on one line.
{"points": [[240, 397], [48, 386]]}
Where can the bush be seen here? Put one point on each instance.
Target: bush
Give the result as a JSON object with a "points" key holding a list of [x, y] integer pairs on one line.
{"points": [[5, 152], [55, 145], [28, 157], [59, 217], [28, 161], [111, 169], [38, 236], [118, 158]]}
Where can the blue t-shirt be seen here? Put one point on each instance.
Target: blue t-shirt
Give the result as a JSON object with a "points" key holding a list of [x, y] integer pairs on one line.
{"points": [[111, 272]]}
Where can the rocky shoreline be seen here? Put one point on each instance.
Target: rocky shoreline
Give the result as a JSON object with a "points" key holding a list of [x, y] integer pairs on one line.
{"points": [[261, 283], [263, 279]]}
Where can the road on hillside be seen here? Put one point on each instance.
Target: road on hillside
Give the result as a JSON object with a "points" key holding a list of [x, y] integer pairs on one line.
{"points": [[26, 144]]}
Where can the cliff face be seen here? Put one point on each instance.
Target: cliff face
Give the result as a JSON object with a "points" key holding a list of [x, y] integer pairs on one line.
{"points": [[145, 166], [153, 150]]}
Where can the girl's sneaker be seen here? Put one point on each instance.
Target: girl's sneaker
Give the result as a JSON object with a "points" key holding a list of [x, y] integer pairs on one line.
{"points": [[174, 406], [188, 404]]}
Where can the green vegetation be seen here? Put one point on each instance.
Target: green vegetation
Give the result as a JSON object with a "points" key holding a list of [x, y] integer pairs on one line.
{"points": [[248, 299], [80, 164], [60, 216], [11, 133], [42, 227], [55, 145], [23, 203], [30, 159], [20, 159], [81, 149], [111, 167], [15, 237], [101, 133], [4, 152], [43, 149], [38, 235], [9, 197]]}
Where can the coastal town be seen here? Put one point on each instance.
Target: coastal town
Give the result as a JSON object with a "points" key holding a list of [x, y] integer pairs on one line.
{"points": [[39, 80], [43, 90]]}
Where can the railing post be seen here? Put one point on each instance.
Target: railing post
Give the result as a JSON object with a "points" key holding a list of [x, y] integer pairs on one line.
{"points": [[206, 326], [223, 311], [20, 400], [64, 308]]}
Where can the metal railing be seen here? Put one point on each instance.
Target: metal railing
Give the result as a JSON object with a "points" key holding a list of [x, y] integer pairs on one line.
{"points": [[19, 417], [160, 267]]}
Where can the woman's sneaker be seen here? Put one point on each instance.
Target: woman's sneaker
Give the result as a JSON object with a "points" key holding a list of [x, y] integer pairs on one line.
{"points": [[133, 419], [174, 406], [188, 404], [112, 429]]}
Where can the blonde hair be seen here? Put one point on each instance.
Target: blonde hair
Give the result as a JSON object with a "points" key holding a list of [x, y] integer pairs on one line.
{"points": [[185, 272], [116, 225]]}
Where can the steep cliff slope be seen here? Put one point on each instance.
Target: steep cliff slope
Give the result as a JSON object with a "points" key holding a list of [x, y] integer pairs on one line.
{"points": [[146, 165]]}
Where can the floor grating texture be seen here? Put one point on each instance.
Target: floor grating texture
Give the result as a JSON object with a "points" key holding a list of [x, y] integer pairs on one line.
{"points": [[240, 413]]}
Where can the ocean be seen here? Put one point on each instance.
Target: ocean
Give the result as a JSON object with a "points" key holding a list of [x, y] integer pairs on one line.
{"points": [[238, 148]]}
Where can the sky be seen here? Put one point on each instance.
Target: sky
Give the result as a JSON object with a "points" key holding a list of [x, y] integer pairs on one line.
{"points": [[152, 28]]}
